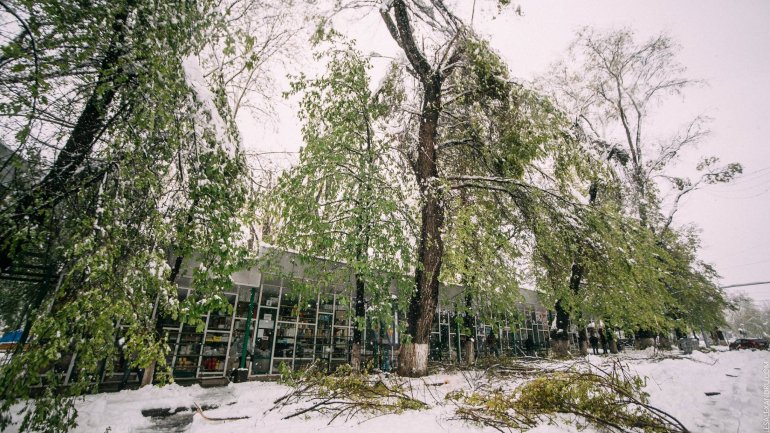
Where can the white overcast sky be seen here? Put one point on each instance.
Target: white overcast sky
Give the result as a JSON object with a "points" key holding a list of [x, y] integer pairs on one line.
{"points": [[725, 44]]}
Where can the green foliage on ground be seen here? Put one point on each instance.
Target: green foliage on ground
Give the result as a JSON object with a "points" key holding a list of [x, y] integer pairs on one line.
{"points": [[345, 393], [610, 399]]}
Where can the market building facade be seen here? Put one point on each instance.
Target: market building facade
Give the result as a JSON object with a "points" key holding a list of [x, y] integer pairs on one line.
{"points": [[280, 328]]}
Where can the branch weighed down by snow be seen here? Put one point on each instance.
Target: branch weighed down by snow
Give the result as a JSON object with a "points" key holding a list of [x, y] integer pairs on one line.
{"points": [[208, 115]]}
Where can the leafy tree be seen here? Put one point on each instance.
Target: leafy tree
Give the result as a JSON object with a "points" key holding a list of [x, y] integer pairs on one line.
{"points": [[747, 318], [342, 203], [241, 54], [130, 164], [492, 159], [611, 87]]}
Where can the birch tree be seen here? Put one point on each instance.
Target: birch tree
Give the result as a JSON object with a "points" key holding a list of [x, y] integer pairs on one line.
{"points": [[611, 85]]}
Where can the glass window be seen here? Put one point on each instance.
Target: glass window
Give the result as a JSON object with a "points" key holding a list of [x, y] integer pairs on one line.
{"points": [[308, 309], [220, 321], [286, 334], [289, 308], [323, 339], [188, 353], [305, 340], [341, 314], [326, 304], [242, 308], [271, 280], [270, 295], [341, 332], [215, 352], [263, 343]]}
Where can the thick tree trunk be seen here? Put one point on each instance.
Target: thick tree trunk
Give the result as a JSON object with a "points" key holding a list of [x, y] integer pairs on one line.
{"points": [[413, 360], [430, 251], [560, 337], [470, 352], [583, 341], [422, 307], [149, 372], [430, 247], [34, 205], [355, 357]]}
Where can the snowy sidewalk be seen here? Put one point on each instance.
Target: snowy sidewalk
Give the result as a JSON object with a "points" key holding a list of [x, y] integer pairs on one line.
{"points": [[678, 386]]}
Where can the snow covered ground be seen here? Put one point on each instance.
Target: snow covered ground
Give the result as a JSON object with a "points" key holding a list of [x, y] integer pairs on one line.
{"points": [[678, 386]]}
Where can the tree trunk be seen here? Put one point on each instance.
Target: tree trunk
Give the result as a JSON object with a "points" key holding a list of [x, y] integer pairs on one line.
{"points": [[413, 360], [470, 352], [355, 357], [562, 316], [560, 337], [422, 307], [705, 338], [34, 205], [641, 191], [469, 321], [360, 311], [583, 341], [576, 276], [613, 346], [430, 249]]}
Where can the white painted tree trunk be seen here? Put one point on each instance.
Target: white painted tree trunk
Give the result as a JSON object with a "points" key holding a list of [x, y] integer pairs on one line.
{"points": [[149, 375], [413, 360]]}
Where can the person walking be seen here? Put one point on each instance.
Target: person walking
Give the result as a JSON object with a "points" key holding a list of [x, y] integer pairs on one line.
{"points": [[594, 340]]}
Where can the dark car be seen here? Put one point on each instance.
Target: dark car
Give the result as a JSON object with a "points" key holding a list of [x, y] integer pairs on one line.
{"points": [[749, 343]]}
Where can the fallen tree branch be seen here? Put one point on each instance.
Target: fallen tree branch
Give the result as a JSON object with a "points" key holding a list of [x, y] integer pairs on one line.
{"points": [[345, 393], [207, 418], [609, 398]]}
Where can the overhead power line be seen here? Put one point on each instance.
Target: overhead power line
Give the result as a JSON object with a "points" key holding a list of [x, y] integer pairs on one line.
{"points": [[745, 284]]}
